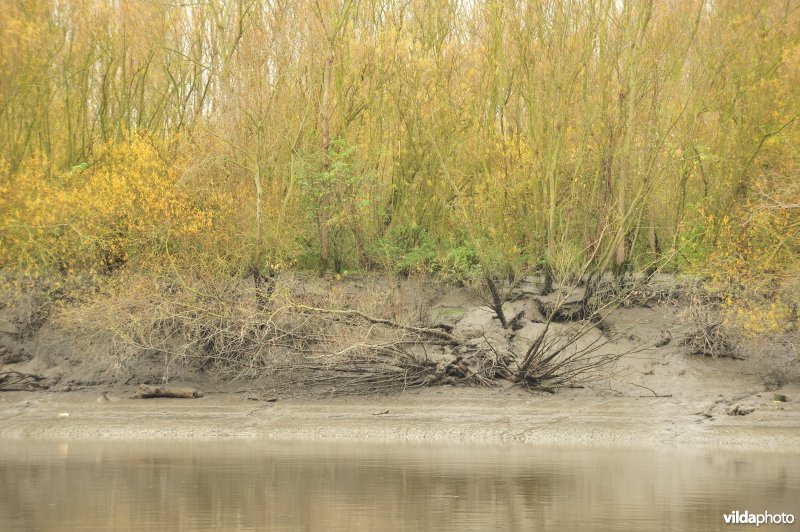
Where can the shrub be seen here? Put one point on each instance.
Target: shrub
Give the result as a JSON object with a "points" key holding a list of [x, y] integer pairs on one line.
{"points": [[128, 202]]}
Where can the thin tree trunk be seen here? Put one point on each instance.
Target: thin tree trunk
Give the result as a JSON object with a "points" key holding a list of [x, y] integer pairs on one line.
{"points": [[322, 212], [497, 301], [262, 295]]}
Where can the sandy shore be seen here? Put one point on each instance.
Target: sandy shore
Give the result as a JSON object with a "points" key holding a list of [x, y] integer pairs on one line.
{"points": [[572, 417]]}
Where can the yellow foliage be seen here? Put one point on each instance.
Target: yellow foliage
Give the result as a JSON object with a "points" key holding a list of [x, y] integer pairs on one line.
{"points": [[95, 216], [758, 252], [754, 318], [540, 129]]}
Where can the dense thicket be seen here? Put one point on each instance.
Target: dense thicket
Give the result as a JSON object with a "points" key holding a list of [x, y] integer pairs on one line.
{"points": [[255, 135]]}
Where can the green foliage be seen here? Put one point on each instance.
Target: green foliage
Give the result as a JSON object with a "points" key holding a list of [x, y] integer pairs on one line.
{"points": [[340, 198], [407, 250], [694, 242], [465, 261], [339, 180]]}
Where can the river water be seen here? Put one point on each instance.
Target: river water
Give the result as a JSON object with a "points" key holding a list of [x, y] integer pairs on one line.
{"points": [[257, 486]]}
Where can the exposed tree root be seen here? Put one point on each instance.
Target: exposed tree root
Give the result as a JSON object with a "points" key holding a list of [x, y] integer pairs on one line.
{"points": [[298, 344], [18, 381]]}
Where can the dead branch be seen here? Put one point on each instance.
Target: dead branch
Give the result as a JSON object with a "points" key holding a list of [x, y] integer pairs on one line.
{"points": [[147, 391], [424, 331], [316, 344]]}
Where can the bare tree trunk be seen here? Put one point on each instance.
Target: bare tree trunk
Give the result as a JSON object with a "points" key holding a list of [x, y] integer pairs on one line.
{"points": [[652, 237], [322, 212], [262, 293], [259, 233], [497, 301], [547, 286], [619, 255]]}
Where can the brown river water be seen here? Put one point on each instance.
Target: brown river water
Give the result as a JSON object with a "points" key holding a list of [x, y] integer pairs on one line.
{"points": [[170, 486]]}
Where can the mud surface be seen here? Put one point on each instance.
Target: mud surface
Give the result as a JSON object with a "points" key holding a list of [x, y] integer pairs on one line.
{"points": [[572, 417]]}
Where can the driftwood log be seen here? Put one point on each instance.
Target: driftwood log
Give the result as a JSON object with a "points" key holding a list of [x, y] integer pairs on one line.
{"points": [[147, 391]]}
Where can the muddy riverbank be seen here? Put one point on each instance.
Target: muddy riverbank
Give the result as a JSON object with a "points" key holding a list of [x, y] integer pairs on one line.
{"points": [[656, 392], [572, 417]]}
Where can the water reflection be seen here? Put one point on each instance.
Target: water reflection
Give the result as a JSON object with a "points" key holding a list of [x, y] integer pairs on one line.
{"points": [[245, 486]]}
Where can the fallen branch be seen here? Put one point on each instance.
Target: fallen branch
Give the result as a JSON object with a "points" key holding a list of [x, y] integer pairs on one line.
{"points": [[424, 331], [147, 391]]}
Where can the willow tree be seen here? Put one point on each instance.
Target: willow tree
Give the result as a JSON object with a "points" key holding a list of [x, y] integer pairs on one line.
{"points": [[559, 126]]}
